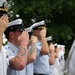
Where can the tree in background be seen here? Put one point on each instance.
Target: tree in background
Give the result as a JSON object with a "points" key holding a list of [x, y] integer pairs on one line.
{"points": [[58, 14]]}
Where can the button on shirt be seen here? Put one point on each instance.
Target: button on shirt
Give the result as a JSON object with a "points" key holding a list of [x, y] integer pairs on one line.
{"points": [[12, 52], [3, 62], [41, 64]]}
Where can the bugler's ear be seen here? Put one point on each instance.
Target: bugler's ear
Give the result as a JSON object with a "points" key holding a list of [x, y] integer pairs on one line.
{"points": [[11, 34]]}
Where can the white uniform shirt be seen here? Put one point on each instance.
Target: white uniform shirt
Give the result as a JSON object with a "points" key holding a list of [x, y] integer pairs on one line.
{"points": [[3, 62], [51, 68], [12, 52], [72, 64], [56, 66], [62, 61], [69, 67], [29, 67], [41, 64]]}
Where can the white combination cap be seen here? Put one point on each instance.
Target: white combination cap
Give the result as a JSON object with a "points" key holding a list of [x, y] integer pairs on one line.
{"points": [[55, 44], [15, 25], [63, 46], [3, 5], [29, 29], [49, 38], [38, 25], [15, 22], [59, 46]]}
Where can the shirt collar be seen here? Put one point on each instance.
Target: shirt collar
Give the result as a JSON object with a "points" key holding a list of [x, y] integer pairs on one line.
{"points": [[14, 48]]}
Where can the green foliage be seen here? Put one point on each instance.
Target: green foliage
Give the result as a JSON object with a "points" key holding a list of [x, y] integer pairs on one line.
{"points": [[60, 32]]}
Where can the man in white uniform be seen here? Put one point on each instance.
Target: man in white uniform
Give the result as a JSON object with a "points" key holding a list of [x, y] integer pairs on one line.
{"points": [[17, 47], [31, 52], [69, 67], [51, 55], [3, 26], [41, 64]]}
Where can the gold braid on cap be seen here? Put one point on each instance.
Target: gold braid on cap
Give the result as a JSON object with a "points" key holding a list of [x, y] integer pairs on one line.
{"points": [[4, 7]]}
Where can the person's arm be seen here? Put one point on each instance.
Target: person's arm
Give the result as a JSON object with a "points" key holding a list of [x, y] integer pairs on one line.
{"points": [[32, 52], [20, 60], [56, 52], [44, 49], [0, 41], [52, 57], [3, 26]]}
